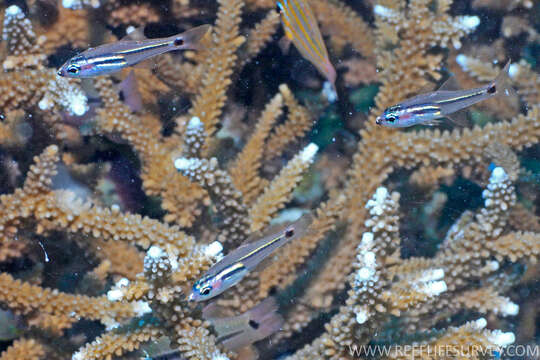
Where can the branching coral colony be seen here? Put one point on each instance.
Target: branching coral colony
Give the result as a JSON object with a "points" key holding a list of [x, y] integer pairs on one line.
{"points": [[86, 276]]}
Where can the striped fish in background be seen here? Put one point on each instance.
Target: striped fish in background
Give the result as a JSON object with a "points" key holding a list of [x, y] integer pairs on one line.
{"points": [[301, 28]]}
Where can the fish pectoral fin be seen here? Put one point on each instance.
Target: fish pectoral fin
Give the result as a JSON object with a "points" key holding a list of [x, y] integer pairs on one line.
{"points": [[148, 64], [265, 263], [434, 122], [458, 118]]}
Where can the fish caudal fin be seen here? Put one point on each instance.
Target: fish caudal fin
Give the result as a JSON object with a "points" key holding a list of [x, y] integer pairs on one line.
{"points": [[502, 85], [190, 39], [263, 322]]}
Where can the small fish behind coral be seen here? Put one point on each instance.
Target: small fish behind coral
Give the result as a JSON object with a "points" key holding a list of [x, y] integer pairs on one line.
{"points": [[236, 332]]}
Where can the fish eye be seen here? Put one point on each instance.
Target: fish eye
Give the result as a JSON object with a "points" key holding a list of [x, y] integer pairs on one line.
{"points": [[391, 118], [72, 69], [206, 290]]}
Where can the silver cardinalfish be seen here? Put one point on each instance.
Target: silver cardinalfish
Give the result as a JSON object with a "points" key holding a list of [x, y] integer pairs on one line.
{"points": [[238, 263], [427, 109], [238, 331], [301, 28], [109, 58]]}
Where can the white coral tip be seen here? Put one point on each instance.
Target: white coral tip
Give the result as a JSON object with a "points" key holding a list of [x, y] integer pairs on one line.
{"points": [[182, 163], [470, 22], [480, 323], [194, 123], [361, 317], [510, 308], [462, 61], [367, 238], [500, 338], [513, 70], [309, 152], [155, 252], [380, 194], [13, 10], [213, 249], [498, 175]]}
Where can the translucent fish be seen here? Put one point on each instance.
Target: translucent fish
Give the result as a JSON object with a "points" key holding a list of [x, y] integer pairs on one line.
{"points": [[301, 28], [109, 58], [9, 325], [429, 108], [235, 332], [238, 263]]}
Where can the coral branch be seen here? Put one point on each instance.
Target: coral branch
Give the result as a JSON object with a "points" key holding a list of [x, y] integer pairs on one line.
{"points": [[279, 191]]}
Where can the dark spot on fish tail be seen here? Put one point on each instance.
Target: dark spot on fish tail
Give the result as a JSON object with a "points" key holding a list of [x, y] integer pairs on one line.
{"points": [[273, 291], [178, 42], [254, 324], [289, 232], [492, 89]]}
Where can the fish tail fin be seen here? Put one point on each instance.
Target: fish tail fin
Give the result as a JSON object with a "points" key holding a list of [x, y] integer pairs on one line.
{"points": [[263, 322], [502, 85], [190, 39]]}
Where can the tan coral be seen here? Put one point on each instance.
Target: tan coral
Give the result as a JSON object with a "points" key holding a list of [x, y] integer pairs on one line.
{"points": [[72, 27], [24, 298], [259, 36], [24, 349], [210, 99], [345, 26], [111, 344], [245, 169], [298, 122], [279, 191]]}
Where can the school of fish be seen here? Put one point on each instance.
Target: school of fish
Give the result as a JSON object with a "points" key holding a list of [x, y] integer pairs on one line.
{"points": [[301, 29]]}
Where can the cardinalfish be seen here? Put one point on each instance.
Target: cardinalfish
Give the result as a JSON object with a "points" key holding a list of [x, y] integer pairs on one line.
{"points": [[301, 28], [109, 58], [427, 109], [238, 263], [236, 332]]}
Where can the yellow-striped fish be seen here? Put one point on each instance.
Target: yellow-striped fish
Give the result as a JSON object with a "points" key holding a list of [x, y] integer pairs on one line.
{"points": [[238, 263], [301, 28]]}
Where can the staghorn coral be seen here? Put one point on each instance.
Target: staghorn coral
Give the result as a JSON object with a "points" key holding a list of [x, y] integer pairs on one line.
{"points": [[24, 349], [350, 277]]}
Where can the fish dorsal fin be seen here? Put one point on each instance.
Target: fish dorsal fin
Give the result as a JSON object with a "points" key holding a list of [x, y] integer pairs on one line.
{"points": [[450, 84], [136, 34]]}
